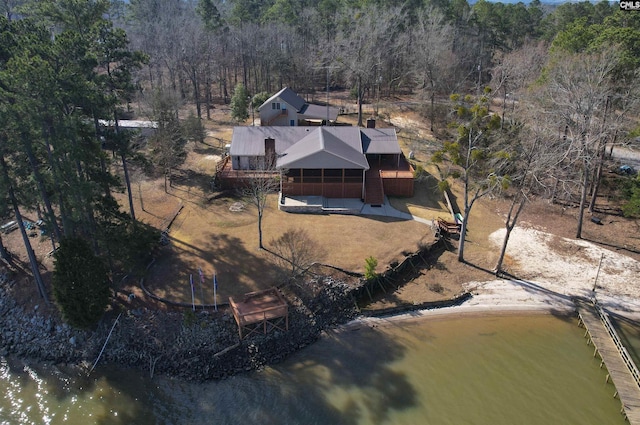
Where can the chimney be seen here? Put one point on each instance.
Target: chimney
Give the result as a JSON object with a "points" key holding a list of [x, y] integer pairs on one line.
{"points": [[270, 151], [371, 123]]}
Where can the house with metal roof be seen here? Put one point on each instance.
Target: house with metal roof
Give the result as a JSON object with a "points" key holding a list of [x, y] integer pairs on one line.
{"points": [[329, 162], [286, 108]]}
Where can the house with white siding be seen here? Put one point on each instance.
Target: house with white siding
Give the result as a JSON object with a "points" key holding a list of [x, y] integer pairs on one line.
{"points": [[286, 108]]}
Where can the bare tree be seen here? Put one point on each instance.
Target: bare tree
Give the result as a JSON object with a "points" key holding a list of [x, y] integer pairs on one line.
{"points": [[576, 100], [433, 44], [167, 143], [366, 40], [296, 251], [259, 183], [515, 71], [517, 205]]}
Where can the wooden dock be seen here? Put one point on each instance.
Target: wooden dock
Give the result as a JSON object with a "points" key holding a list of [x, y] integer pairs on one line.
{"points": [[621, 369]]}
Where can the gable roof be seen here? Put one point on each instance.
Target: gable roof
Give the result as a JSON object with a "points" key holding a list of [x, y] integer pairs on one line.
{"points": [[289, 96], [326, 148], [316, 147]]}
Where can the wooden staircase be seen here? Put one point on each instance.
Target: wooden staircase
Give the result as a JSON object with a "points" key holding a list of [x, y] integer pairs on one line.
{"points": [[373, 189]]}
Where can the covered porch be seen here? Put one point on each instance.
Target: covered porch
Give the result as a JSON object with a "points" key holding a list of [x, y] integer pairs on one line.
{"points": [[329, 183]]}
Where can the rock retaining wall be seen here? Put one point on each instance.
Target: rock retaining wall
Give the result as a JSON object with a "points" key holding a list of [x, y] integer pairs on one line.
{"points": [[194, 346]]}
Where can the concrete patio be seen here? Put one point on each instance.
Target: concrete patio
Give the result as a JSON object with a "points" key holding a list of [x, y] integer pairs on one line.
{"points": [[352, 206]]}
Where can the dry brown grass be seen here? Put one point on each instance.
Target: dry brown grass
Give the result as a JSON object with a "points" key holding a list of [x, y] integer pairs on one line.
{"points": [[218, 240]]}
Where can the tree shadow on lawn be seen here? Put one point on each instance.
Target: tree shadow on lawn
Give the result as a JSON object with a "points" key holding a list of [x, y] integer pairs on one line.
{"points": [[238, 270], [203, 148], [188, 180]]}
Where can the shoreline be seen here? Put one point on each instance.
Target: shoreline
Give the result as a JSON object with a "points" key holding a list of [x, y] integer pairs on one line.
{"points": [[170, 343], [459, 311], [151, 337]]}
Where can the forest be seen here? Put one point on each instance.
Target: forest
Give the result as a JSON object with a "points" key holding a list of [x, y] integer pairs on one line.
{"points": [[526, 99]]}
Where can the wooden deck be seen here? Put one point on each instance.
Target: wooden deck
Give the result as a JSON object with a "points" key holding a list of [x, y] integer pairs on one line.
{"points": [[622, 371], [264, 311]]}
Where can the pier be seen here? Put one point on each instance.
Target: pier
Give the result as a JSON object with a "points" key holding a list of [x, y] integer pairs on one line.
{"points": [[621, 369]]}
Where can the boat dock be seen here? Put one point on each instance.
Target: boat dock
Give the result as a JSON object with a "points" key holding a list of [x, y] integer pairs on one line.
{"points": [[621, 369]]}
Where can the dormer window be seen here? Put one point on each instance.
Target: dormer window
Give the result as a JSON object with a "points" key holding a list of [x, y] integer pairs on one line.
{"points": [[275, 105]]}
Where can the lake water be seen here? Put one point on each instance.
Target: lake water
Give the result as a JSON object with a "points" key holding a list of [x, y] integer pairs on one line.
{"points": [[495, 370]]}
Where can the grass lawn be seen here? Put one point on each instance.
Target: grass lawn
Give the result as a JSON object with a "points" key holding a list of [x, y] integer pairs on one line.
{"points": [[216, 239]]}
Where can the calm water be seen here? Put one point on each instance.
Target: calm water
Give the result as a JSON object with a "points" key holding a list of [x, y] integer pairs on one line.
{"points": [[480, 371]]}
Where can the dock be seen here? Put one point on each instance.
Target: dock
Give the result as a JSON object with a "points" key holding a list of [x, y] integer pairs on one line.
{"points": [[622, 371]]}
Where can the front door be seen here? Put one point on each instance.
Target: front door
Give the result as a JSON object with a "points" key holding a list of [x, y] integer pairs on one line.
{"points": [[292, 123]]}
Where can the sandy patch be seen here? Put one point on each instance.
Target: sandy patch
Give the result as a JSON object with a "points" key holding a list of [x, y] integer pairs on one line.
{"points": [[552, 270]]}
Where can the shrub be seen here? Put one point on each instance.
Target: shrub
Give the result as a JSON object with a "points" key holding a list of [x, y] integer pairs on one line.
{"points": [[436, 287], [631, 190], [370, 268]]}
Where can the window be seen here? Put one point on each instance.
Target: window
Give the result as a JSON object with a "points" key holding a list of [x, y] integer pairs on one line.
{"points": [[275, 105]]}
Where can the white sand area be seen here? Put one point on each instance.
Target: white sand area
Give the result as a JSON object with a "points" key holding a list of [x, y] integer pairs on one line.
{"points": [[552, 271]]}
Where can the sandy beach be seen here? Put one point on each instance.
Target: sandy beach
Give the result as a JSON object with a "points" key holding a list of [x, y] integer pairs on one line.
{"points": [[553, 270]]}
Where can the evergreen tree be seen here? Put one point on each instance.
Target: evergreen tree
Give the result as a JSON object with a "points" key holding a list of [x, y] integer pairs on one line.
{"points": [[210, 15], [480, 160], [80, 283], [240, 103]]}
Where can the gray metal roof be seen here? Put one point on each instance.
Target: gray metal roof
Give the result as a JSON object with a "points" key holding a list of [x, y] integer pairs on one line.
{"points": [[316, 147], [380, 141], [326, 147], [249, 141], [318, 112], [289, 96]]}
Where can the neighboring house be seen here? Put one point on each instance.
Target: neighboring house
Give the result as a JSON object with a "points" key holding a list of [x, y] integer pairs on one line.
{"points": [[287, 109], [138, 127], [333, 162]]}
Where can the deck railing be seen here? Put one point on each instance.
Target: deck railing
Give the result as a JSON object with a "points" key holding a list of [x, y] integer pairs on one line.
{"points": [[616, 340]]}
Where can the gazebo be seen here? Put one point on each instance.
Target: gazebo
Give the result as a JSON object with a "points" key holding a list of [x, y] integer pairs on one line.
{"points": [[261, 311]]}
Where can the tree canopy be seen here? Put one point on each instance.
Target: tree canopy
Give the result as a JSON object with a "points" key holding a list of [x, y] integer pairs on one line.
{"points": [[80, 283]]}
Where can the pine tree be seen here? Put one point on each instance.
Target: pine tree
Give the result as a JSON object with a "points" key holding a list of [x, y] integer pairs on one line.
{"points": [[80, 283], [240, 103]]}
